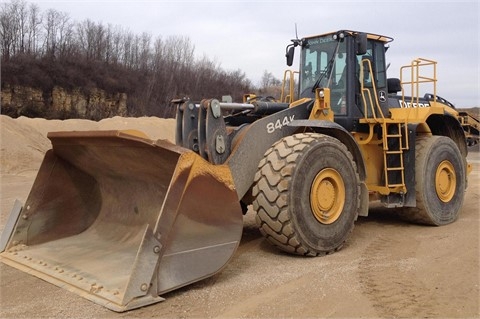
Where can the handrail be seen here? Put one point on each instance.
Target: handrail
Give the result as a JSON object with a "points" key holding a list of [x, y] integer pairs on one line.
{"points": [[291, 86], [373, 102], [416, 78]]}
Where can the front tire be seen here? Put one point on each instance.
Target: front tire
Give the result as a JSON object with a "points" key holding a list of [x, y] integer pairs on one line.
{"points": [[440, 181], [307, 194]]}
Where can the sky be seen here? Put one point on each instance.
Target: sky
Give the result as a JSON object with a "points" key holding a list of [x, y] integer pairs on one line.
{"points": [[252, 35]]}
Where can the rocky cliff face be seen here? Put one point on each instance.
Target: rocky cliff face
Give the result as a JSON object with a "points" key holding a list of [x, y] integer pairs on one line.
{"points": [[61, 103]]}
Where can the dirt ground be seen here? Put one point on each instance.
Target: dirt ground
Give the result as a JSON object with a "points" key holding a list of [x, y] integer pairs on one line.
{"points": [[388, 268]]}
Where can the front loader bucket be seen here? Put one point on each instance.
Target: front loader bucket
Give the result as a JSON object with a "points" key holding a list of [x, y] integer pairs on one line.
{"points": [[120, 219]]}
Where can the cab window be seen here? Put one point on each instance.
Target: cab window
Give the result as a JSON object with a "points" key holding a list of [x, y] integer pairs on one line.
{"points": [[376, 55]]}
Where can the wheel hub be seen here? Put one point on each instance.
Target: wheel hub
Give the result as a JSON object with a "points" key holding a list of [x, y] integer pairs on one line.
{"points": [[327, 196], [445, 181]]}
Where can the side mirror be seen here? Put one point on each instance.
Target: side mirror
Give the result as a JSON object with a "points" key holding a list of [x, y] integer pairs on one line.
{"points": [[361, 44], [290, 53]]}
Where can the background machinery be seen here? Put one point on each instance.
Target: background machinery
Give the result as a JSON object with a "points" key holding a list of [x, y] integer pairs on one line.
{"points": [[121, 219]]}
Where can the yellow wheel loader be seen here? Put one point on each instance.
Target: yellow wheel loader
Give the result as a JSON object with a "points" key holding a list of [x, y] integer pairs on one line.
{"points": [[121, 219]]}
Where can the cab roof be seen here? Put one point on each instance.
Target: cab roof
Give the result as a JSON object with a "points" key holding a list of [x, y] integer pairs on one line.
{"points": [[372, 36]]}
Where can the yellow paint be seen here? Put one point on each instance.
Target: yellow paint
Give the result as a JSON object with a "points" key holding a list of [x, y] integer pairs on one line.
{"points": [[321, 108], [327, 196], [445, 181]]}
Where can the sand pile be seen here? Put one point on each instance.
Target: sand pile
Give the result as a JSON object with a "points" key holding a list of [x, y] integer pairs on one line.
{"points": [[24, 140]]}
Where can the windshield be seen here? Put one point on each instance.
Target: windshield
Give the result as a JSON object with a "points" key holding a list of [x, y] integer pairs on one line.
{"points": [[324, 65]]}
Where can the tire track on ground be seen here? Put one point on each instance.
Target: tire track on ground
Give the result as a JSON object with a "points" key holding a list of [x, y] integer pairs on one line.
{"points": [[387, 275]]}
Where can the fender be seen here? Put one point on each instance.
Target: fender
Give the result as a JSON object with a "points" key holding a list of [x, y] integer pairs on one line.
{"points": [[339, 132], [448, 125], [255, 139]]}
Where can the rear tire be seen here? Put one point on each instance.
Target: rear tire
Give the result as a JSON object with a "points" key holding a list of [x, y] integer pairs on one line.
{"points": [[440, 181], [307, 194]]}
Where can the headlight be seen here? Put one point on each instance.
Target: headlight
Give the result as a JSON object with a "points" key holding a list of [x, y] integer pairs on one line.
{"points": [[338, 36]]}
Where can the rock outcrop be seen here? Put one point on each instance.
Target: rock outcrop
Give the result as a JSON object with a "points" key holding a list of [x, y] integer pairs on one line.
{"points": [[62, 103]]}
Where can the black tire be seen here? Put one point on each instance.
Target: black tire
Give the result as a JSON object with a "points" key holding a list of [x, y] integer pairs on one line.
{"points": [[440, 182], [291, 172]]}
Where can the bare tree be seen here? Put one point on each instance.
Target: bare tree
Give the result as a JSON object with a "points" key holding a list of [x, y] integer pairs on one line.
{"points": [[8, 31], [110, 57], [65, 36], [86, 38], [35, 22], [21, 17], [58, 32]]}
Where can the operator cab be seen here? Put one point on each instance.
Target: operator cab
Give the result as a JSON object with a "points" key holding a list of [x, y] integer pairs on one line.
{"points": [[334, 61]]}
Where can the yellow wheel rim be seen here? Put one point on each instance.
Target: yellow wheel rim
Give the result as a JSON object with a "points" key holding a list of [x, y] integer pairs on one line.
{"points": [[327, 196], [445, 181]]}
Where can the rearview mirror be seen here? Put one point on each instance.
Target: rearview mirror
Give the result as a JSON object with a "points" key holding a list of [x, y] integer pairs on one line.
{"points": [[361, 44], [290, 54]]}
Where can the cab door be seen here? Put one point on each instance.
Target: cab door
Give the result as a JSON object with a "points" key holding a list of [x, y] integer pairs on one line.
{"points": [[372, 80]]}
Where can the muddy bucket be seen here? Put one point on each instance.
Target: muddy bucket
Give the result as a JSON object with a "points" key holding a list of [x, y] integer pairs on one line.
{"points": [[120, 219]]}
